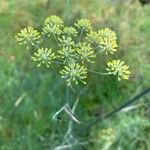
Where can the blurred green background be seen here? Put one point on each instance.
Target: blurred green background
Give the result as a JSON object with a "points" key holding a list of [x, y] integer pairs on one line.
{"points": [[29, 125]]}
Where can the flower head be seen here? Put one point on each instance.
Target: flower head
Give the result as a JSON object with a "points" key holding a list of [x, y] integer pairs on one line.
{"points": [[107, 45], [44, 56], [66, 50], [108, 34], [107, 40], [28, 36], [108, 134], [53, 25], [85, 52], [66, 41], [117, 67], [84, 24], [73, 73], [76, 46], [70, 31], [92, 37]]}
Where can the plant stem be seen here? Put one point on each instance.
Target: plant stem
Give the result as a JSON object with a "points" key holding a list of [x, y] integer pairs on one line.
{"points": [[68, 146], [67, 95], [58, 112], [100, 73], [97, 47], [59, 61], [81, 35], [107, 146], [70, 124], [55, 39], [67, 11], [71, 114]]}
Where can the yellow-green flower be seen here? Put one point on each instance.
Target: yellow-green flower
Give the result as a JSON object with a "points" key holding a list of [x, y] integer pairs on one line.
{"points": [[117, 67], [76, 45], [84, 24], [70, 31], [85, 52], [28, 36], [73, 73], [43, 56], [108, 134], [108, 34], [92, 37], [66, 41], [66, 50], [107, 40], [108, 45], [53, 25]]}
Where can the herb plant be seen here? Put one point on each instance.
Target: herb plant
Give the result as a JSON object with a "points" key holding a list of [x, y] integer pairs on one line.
{"points": [[76, 46]]}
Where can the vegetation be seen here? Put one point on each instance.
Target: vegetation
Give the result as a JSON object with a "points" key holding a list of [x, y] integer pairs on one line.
{"points": [[30, 96]]}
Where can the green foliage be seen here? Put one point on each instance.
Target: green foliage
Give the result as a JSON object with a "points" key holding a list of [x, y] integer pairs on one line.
{"points": [[124, 132]]}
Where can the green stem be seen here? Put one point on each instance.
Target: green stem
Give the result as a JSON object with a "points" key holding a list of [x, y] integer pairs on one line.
{"points": [[67, 95], [81, 35], [55, 39], [58, 62], [97, 47], [67, 11], [100, 73], [35, 45], [70, 124]]}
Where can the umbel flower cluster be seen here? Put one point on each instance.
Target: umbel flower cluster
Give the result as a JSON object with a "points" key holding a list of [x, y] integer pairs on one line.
{"points": [[108, 134], [76, 46]]}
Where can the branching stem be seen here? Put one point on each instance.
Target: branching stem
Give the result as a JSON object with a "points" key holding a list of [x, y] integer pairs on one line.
{"points": [[68, 146], [58, 112]]}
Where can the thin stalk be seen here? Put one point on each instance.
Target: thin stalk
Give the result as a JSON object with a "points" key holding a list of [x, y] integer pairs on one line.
{"points": [[43, 39], [68, 146], [35, 45], [97, 47], [58, 62], [70, 124], [81, 35], [98, 52], [100, 73], [19, 100], [107, 146], [55, 39], [75, 105], [67, 95], [71, 115], [58, 112], [67, 11]]}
